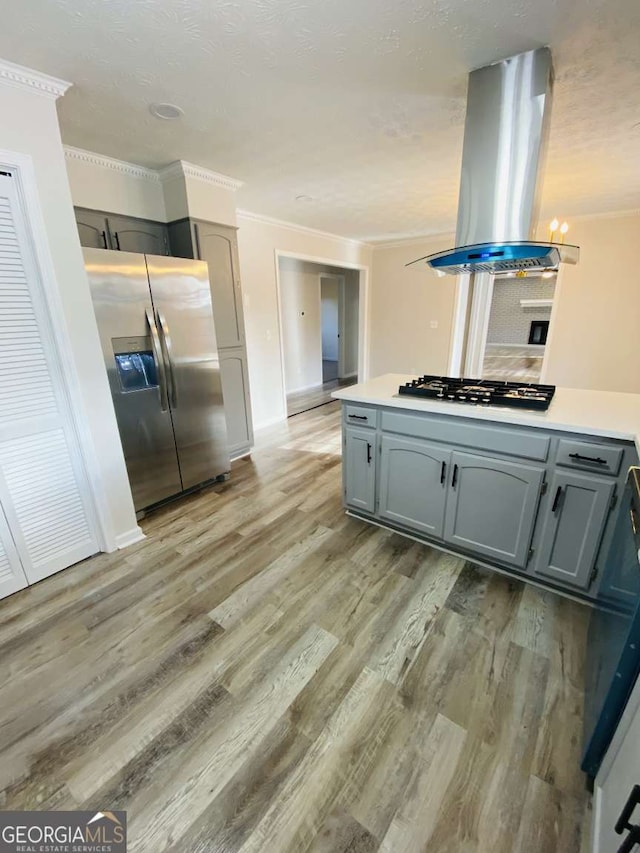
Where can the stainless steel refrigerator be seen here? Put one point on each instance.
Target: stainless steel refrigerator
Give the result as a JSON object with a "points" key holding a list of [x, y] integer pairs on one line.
{"points": [[159, 345]]}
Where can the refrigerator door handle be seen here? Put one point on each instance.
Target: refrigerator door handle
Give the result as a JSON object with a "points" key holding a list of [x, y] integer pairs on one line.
{"points": [[159, 362], [168, 351]]}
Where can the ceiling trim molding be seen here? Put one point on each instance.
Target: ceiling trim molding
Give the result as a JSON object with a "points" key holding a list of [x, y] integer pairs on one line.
{"points": [[111, 163], [416, 240], [304, 229], [33, 81], [181, 168]]}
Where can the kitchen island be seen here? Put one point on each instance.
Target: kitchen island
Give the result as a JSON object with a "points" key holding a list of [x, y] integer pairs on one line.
{"points": [[530, 493]]}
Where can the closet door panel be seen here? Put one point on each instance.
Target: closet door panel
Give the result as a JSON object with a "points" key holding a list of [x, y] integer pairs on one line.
{"points": [[44, 493]]}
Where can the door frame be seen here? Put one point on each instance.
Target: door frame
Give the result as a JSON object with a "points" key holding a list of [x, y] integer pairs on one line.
{"points": [[364, 353], [44, 291], [472, 309]]}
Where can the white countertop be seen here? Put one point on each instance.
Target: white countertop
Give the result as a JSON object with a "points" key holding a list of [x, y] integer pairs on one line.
{"points": [[603, 413]]}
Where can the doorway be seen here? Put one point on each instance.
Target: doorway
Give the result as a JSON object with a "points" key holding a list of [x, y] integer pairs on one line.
{"points": [[502, 326], [518, 325], [321, 316], [330, 287]]}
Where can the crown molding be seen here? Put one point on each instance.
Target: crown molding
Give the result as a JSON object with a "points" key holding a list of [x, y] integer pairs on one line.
{"points": [[413, 240], [303, 229], [111, 163], [34, 81], [181, 168]]}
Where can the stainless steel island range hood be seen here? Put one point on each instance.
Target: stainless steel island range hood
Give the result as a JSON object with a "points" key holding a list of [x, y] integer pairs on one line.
{"points": [[505, 136]]}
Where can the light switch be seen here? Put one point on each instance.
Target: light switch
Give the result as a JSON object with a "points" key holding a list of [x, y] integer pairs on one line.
{"points": [[434, 324]]}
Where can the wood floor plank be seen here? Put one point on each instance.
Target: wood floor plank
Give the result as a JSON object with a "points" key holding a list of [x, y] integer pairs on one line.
{"points": [[264, 672], [417, 815], [293, 822], [161, 818]]}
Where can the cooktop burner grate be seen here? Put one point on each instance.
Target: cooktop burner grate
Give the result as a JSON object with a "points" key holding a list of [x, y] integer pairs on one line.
{"points": [[487, 392]]}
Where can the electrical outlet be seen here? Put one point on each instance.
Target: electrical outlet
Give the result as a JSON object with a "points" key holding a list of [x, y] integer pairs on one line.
{"points": [[434, 324]]}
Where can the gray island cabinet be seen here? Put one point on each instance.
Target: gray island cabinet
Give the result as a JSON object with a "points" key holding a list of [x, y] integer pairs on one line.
{"points": [[538, 502]]}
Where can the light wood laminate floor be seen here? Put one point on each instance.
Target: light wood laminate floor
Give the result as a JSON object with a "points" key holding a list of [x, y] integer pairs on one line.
{"points": [[263, 673], [303, 401]]}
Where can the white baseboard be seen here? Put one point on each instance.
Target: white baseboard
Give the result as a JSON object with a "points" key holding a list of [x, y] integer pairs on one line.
{"points": [[129, 537]]}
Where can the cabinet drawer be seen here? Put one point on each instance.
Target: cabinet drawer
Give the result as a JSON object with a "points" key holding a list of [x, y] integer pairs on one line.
{"points": [[597, 458], [528, 445], [360, 416]]}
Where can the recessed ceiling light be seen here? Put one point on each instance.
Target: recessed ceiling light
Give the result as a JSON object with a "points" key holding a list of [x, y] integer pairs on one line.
{"points": [[168, 112], [304, 198]]}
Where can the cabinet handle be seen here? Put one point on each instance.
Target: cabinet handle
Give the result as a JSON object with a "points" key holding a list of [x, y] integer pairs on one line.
{"points": [[104, 238], [115, 234], [623, 824], [556, 499], [368, 453], [598, 459], [454, 479], [443, 473], [358, 417], [634, 526], [196, 234]]}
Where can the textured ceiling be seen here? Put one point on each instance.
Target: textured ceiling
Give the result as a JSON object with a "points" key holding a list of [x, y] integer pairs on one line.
{"points": [[356, 103]]}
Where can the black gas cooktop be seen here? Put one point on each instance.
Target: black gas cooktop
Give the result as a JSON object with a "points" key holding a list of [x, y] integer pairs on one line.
{"points": [[487, 392]]}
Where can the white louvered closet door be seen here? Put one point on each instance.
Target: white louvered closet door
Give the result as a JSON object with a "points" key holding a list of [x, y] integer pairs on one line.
{"points": [[43, 490]]}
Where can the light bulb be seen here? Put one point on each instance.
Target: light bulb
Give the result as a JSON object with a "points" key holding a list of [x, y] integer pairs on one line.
{"points": [[564, 227], [554, 225]]}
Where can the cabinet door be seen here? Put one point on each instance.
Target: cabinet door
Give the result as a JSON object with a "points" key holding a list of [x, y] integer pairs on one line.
{"points": [[138, 235], [217, 245], [92, 228], [575, 519], [359, 466], [491, 508], [413, 483], [237, 408]]}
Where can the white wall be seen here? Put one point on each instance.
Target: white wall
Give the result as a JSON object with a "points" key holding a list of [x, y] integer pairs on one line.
{"points": [[30, 126], [329, 317], [117, 188], [210, 202], [259, 240], [405, 301], [593, 338]]}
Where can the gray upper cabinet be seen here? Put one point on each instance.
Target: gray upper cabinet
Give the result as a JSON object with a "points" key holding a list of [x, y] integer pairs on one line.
{"points": [[579, 505], [217, 245], [100, 230], [359, 460], [237, 407], [138, 235], [413, 483], [92, 228], [491, 508]]}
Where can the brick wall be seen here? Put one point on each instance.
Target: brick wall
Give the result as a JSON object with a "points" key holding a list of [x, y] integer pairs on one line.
{"points": [[508, 322]]}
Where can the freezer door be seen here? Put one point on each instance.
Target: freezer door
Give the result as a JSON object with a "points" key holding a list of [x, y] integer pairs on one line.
{"points": [[137, 377], [182, 304]]}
